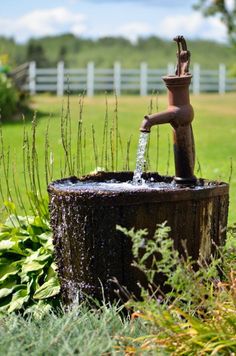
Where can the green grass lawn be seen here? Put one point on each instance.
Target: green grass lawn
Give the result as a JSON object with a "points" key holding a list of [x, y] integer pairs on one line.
{"points": [[214, 130]]}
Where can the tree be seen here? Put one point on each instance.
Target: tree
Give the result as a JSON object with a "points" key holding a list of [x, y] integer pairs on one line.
{"points": [[35, 52], [62, 54], [227, 11]]}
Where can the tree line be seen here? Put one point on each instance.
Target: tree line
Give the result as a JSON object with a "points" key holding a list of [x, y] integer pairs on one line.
{"points": [[77, 52]]}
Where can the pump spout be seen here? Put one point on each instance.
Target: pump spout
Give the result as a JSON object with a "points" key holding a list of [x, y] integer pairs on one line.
{"points": [[176, 115], [179, 115], [163, 117]]}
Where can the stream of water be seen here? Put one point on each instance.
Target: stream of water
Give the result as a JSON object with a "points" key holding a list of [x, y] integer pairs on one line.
{"points": [[140, 159], [138, 183]]}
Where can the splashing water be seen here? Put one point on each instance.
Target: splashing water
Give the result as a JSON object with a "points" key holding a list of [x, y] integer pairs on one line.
{"points": [[112, 186], [140, 160]]}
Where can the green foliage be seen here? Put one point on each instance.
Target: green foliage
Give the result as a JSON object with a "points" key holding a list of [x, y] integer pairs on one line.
{"points": [[9, 97], [151, 250], [180, 274], [229, 252], [175, 332], [155, 51], [198, 315], [222, 8], [28, 277], [232, 71], [35, 52], [77, 332], [76, 52]]}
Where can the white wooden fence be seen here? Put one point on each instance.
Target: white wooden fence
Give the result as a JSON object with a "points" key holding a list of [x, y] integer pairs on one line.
{"points": [[121, 80]]}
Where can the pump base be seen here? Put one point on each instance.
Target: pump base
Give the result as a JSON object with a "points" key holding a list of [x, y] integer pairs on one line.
{"points": [[186, 181]]}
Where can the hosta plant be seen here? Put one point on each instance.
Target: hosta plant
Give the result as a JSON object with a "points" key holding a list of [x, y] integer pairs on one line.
{"points": [[28, 277]]}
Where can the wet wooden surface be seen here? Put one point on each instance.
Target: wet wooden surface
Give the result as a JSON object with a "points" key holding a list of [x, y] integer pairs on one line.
{"points": [[90, 251]]}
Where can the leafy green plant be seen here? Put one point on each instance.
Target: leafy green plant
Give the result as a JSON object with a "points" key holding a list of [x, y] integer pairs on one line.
{"points": [[198, 314], [9, 97], [28, 276], [232, 70], [158, 256], [175, 332]]}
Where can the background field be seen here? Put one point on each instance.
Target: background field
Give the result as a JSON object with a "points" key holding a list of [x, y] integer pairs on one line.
{"points": [[214, 131]]}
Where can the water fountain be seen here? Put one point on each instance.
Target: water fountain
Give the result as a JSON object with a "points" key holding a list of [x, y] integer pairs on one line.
{"points": [[85, 212]]}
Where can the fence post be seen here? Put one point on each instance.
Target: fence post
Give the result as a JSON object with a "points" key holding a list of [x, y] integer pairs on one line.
{"points": [[143, 79], [90, 79], [196, 78], [222, 78], [60, 79], [117, 78], [32, 78], [170, 69]]}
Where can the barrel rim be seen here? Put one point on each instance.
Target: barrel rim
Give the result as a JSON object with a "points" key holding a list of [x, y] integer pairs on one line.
{"points": [[89, 197]]}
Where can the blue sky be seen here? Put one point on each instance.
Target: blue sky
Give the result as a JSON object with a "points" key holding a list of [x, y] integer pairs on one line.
{"points": [[95, 18]]}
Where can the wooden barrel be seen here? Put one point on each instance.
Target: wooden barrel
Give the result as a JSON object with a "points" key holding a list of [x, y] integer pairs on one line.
{"points": [[90, 251]]}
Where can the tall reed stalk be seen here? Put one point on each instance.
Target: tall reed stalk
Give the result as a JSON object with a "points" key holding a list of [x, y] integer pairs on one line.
{"points": [[79, 150], [157, 136], [104, 156], [111, 155]]}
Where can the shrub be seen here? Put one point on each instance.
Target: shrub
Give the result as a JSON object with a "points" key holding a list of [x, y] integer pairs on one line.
{"points": [[198, 315], [232, 70], [9, 97]]}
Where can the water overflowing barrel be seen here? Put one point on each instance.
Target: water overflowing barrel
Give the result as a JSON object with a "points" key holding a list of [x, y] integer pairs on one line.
{"points": [[85, 212]]}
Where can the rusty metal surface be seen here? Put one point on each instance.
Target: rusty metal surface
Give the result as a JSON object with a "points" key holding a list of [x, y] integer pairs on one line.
{"points": [[180, 115], [183, 57]]}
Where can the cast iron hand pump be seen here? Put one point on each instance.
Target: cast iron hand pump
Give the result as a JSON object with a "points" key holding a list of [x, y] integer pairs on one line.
{"points": [[180, 115]]}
